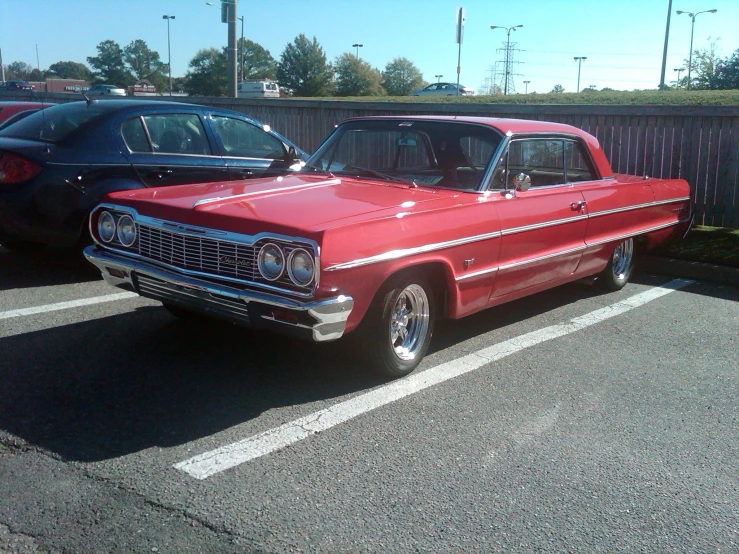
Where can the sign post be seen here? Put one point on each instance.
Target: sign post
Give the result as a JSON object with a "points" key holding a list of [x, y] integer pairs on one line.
{"points": [[460, 38]]}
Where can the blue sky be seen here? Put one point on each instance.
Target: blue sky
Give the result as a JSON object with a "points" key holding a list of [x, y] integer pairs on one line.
{"points": [[622, 39]]}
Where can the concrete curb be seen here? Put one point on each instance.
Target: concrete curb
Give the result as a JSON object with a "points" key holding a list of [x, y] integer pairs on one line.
{"points": [[690, 270]]}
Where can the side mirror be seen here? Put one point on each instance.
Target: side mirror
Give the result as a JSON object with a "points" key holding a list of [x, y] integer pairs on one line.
{"points": [[522, 182]]}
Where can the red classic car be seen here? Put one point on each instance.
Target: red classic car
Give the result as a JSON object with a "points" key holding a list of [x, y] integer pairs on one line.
{"points": [[393, 223]]}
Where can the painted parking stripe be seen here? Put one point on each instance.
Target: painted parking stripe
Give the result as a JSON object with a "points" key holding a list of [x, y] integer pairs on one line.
{"points": [[226, 457], [66, 305]]}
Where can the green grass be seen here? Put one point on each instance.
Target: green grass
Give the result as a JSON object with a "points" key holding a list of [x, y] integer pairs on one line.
{"points": [[712, 245], [638, 97]]}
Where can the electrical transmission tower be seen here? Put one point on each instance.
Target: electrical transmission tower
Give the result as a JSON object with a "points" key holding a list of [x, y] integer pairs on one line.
{"points": [[504, 67]]}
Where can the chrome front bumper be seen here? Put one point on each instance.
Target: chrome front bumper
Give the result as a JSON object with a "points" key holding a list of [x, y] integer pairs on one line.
{"points": [[320, 321]]}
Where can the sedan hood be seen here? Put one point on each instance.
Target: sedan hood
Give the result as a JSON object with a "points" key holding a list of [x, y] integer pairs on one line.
{"points": [[306, 202]]}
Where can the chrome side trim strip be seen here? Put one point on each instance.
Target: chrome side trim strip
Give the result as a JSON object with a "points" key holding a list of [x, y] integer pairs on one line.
{"points": [[640, 232], [540, 258], [395, 254], [543, 225], [639, 206], [476, 274], [271, 191]]}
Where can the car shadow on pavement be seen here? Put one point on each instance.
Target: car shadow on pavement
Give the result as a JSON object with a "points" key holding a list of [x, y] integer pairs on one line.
{"points": [[45, 267], [113, 386]]}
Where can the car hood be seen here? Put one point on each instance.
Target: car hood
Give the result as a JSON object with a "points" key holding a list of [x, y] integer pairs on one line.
{"points": [[309, 203]]}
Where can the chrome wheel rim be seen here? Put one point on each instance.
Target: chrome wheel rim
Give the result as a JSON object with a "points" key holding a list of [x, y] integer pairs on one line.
{"points": [[409, 322], [622, 258]]}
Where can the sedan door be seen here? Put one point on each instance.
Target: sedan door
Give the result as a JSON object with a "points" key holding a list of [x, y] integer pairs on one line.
{"points": [[543, 228], [171, 149], [249, 150]]}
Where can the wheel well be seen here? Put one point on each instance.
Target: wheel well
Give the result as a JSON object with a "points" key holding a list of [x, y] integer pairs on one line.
{"points": [[436, 273]]}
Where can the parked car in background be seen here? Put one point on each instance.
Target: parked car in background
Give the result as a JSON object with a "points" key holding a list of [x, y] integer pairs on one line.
{"points": [[16, 85], [56, 165], [258, 89], [105, 90], [444, 89], [10, 112], [394, 223]]}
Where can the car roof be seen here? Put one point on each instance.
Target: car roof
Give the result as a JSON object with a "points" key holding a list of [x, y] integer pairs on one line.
{"points": [[504, 125], [4, 104]]}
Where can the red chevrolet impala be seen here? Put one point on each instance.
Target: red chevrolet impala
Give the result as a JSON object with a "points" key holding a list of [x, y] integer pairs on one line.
{"points": [[393, 223]]}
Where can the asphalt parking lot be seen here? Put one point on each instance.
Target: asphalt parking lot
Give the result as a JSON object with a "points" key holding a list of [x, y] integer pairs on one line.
{"points": [[569, 421]]}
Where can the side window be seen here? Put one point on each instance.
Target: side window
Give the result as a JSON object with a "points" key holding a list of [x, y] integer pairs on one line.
{"points": [[542, 160], [578, 164], [135, 136], [478, 150], [177, 134], [244, 140]]}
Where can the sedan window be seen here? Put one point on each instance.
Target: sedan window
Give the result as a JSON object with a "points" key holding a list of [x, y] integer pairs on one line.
{"points": [[177, 134], [541, 159], [244, 140], [135, 136], [579, 166]]}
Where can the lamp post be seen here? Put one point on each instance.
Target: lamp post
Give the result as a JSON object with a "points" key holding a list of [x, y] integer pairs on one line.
{"points": [[678, 70], [357, 46], [169, 52], [438, 78], [664, 51], [579, 60], [527, 86], [507, 51], [692, 28]]}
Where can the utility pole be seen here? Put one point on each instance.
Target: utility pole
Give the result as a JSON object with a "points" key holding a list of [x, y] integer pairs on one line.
{"points": [[579, 60], [231, 89], [692, 28], [169, 52], [508, 58], [664, 52], [438, 78]]}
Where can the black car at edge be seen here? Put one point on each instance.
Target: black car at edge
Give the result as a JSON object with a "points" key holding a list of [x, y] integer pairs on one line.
{"points": [[57, 164]]}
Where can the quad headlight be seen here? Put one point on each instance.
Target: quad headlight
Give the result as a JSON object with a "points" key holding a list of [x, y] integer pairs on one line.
{"points": [[106, 226], [300, 267], [271, 261], [126, 230]]}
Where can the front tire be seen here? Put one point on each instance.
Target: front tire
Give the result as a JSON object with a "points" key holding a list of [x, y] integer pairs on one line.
{"points": [[620, 266], [399, 326]]}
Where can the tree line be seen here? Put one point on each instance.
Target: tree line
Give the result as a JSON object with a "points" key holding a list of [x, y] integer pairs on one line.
{"points": [[302, 70]]}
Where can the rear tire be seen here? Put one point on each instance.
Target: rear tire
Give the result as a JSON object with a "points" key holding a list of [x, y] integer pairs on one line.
{"points": [[620, 266], [398, 327]]}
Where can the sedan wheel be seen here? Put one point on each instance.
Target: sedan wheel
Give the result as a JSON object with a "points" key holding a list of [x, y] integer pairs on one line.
{"points": [[398, 329], [619, 267]]}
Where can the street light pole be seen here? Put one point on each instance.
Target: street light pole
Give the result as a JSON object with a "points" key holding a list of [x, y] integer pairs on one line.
{"points": [[169, 52], [241, 65], [507, 51], [678, 70], [527, 86], [438, 78], [664, 52], [357, 46], [579, 60], [692, 28]]}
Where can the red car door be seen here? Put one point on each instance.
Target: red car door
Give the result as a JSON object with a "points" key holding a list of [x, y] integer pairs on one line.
{"points": [[543, 228]]}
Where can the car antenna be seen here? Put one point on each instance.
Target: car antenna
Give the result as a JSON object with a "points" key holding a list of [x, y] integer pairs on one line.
{"points": [[87, 99]]}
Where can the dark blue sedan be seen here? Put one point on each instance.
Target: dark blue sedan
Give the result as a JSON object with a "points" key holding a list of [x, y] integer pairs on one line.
{"points": [[57, 164]]}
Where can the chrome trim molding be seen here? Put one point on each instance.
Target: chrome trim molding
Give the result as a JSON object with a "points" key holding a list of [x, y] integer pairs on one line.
{"points": [[270, 191], [564, 221], [395, 254], [639, 206], [331, 314], [476, 274], [640, 232], [541, 258]]}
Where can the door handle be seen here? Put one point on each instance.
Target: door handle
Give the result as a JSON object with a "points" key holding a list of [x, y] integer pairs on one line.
{"points": [[580, 205], [160, 173], [245, 172]]}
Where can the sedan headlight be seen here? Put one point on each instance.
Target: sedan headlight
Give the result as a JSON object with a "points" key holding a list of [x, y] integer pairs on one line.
{"points": [[300, 267], [106, 226], [271, 262], [126, 230]]}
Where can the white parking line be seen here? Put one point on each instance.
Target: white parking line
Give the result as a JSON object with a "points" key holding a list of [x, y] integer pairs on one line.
{"points": [[221, 459], [66, 305]]}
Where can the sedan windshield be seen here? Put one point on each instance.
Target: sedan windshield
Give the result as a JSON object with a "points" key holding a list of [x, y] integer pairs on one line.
{"points": [[443, 154], [55, 123]]}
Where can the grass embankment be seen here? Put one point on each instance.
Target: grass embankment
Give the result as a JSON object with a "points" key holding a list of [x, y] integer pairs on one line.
{"points": [[638, 97], [711, 245]]}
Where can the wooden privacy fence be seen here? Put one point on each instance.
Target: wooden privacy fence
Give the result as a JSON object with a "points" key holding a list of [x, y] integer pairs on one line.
{"points": [[696, 143]]}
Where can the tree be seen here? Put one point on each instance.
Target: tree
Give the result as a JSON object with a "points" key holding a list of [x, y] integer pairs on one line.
{"points": [[207, 73], [303, 68], [258, 62], [558, 88], [401, 77], [355, 77], [109, 65], [18, 70], [703, 68], [145, 64], [71, 70], [726, 75]]}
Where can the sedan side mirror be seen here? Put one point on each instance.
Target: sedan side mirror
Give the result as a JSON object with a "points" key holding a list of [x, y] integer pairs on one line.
{"points": [[522, 182]]}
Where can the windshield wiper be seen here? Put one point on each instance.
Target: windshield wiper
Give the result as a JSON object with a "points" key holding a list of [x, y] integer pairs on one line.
{"points": [[315, 169], [381, 175]]}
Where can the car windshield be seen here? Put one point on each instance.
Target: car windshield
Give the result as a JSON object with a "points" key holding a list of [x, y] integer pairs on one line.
{"points": [[441, 154], [55, 123]]}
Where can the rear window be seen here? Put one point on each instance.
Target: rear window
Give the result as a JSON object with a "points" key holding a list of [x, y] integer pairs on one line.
{"points": [[55, 123]]}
